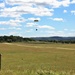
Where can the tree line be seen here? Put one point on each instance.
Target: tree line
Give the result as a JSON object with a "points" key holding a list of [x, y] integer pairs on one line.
{"points": [[60, 41], [12, 38]]}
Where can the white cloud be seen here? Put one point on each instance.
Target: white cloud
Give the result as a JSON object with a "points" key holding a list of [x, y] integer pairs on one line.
{"points": [[71, 34], [13, 22], [57, 33], [39, 26], [73, 30], [65, 3], [65, 11], [2, 28], [42, 11], [17, 11], [30, 24], [18, 20], [29, 30], [10, 12], [14, 33], [14, 28], [66, 29], [73, 12], [54, 33], [32, 19], [2, 5], [36, 7], [63, 33], [57, 19], [73, 1], [46, 27], [53, 3]]}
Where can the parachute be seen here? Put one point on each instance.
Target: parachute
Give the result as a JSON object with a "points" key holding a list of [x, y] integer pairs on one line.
{"points": [[36, 21]]}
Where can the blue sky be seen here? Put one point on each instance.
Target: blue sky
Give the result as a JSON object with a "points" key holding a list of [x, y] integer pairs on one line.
{"points": [[55, 18]]}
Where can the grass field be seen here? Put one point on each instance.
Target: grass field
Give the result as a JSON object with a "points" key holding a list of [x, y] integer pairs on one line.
{"points": [[37, 59]]}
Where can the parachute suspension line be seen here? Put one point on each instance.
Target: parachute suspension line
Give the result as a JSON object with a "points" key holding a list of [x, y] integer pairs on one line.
{"points": [[36, 21]]}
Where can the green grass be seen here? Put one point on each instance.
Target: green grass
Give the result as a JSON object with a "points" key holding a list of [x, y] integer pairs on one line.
{"points": [[37, 59]]}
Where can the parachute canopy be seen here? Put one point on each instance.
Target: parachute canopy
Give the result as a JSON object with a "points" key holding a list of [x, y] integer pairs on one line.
{"points": [[36, 20]]}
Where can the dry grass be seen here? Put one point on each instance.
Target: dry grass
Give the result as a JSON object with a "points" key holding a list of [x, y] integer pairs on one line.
{"points": [[32, 57]]}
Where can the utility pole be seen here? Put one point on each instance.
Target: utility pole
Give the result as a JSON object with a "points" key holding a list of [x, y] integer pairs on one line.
{"points": [[0, 61]]}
